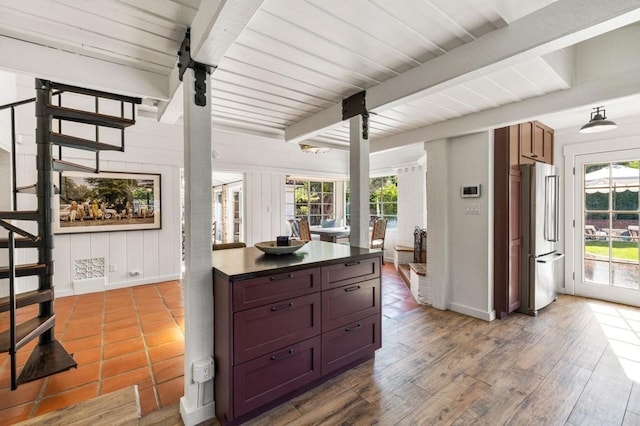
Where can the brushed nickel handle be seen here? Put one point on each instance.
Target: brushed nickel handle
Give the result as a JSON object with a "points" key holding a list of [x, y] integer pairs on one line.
{"points": [[355, 287]]}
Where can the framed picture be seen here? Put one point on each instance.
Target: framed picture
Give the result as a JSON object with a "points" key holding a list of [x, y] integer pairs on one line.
{"points": [[107, 201]]}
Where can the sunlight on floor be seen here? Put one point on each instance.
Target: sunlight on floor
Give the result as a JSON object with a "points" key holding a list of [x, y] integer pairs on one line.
{"points": [[622, 328]]}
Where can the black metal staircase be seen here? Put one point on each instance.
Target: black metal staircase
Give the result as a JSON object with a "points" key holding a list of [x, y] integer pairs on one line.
{"points": [[48, 357]]}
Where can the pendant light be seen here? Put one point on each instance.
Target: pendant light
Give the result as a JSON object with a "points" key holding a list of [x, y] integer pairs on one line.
{"points": [[598, 122]]}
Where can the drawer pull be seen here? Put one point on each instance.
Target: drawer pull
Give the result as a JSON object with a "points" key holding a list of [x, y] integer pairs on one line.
{"points": [[352, 264], [282, 277], [282, 355], [353, 288], [353, 328], [282, 307]]}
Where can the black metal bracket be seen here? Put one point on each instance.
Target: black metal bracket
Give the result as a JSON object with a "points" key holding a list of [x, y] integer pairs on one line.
{"points": [[357, 105], [200, 70]]}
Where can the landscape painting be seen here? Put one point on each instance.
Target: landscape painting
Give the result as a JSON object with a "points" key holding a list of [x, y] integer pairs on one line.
{"points": [[107, 201]]}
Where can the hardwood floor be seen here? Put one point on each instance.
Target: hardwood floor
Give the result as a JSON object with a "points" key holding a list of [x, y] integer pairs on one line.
{"points": [[577, 363]]}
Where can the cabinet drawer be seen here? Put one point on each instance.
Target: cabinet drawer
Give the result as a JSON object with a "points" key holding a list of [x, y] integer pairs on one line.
{"points": [[342, 274], [347, 344], [263, 290], [344, 305], [275, 374], [261, 330]]}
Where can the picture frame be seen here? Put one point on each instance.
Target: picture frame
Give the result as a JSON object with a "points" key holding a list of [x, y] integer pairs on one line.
{"points": [[107, 202]]}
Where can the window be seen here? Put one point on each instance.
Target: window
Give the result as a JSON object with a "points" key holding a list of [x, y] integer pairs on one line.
{"points": [[383, 200], [611, 223], [310, 199]]}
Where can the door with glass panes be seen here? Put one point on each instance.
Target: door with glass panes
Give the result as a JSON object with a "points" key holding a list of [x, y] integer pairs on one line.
{"points": [[607, 240]]}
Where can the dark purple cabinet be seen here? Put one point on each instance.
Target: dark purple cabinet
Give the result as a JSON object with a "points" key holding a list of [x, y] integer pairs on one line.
{"points": [[275, 374], [344, 345], [276, 287], [341, 306], [278, 334], [267, 328], [353, 271]]}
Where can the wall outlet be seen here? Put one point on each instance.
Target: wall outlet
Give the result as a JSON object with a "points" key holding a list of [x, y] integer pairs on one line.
{"points": [[203, 370], [134, 273], [473, 209]]}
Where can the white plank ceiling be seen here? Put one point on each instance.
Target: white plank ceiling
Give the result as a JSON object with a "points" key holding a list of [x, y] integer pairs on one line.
{"points": [[297, 58]]}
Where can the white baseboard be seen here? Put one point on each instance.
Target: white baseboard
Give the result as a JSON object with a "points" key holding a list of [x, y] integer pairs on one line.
{"points": [[195, 416], [97, 285], [472, 312], [134, 283]]}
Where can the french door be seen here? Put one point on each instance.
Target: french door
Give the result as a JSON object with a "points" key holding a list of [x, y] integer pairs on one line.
{"points": [[607, 188]]}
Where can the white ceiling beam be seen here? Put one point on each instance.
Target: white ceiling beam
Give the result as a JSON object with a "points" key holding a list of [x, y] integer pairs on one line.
{"points": [[78, 70], [559, 25], [589, 93], [563, 64], [216, 26]]}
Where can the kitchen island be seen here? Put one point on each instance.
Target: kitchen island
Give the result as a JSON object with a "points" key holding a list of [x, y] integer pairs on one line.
{"points": [[284, 324]]}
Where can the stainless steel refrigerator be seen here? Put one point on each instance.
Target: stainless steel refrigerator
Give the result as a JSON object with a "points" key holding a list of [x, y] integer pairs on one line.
{"points": [[542, 265]]}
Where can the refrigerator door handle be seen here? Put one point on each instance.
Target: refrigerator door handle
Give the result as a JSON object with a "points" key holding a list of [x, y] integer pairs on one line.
{"points": [[551, 210]]}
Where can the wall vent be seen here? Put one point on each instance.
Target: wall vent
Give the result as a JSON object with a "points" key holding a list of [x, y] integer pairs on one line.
{"points": [[86, 269]]}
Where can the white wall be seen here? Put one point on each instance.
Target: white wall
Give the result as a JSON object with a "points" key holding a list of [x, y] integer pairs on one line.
{"points": [[460, 266]]}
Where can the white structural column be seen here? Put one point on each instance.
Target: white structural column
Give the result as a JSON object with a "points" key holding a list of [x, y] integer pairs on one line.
{"points": [[197, 403], [438, 222], [359, 177]]}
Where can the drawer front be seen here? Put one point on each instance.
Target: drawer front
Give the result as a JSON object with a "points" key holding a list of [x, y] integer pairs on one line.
{"points": [[265, 329], [347, 344], [275, 374], [342, 274], [263, 290], [344, 305]]}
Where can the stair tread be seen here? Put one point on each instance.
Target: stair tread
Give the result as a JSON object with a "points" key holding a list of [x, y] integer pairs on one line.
{"points": [[88, 117], [24, 270], [19, 214], [26, 299], [20, 242], [46, 359], [31, 189], [81, 143], [26, 332], [61, 165]]}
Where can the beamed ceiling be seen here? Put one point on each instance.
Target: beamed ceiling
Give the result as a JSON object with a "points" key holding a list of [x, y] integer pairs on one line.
{"points": [[431, 68]]}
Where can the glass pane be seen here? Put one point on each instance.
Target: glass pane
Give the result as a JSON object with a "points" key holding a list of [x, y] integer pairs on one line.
{"points": [[623, 224], [594, 223], [316, 186], [327, 198], [327, 210], [626, 275], [327, 187], [597, 175], [596, 272], [597, 250], [625, 174], [315, 220], [625, 200], [598, 199], [624, 250], [315, 209]]}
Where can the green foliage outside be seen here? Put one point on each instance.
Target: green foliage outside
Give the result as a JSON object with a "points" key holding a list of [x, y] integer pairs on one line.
{"points": [[622, 250]]}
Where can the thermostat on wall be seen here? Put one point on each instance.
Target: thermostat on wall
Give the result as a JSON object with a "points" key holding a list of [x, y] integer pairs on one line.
{"points": [[470, 191]]}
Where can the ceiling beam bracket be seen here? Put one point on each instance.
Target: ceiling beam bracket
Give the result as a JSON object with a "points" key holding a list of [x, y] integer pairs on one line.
{"points": [[357, 105], [200, 70]]}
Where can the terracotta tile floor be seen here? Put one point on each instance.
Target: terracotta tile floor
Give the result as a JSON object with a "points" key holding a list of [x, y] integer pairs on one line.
{"points": [[124, 337]]}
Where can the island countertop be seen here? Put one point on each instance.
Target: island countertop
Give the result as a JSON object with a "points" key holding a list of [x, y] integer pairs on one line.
{"points": [[244, 263]]}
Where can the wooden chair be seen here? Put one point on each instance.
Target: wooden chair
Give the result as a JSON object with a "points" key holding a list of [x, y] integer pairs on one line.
{"points": [[225, 246], [378, 233], [304, 230]]}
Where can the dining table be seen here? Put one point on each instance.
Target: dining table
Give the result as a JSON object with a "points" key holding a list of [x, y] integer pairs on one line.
{"points": [[330, 234]]}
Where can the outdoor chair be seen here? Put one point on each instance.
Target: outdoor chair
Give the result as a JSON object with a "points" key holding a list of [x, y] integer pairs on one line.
{"points": [[377, 235]]}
